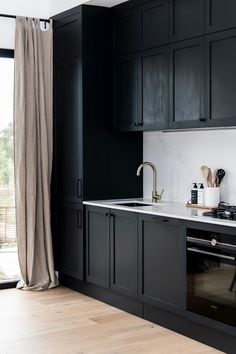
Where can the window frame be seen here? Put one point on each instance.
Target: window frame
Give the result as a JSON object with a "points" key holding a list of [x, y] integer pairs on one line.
{"points": [[7, 53]]}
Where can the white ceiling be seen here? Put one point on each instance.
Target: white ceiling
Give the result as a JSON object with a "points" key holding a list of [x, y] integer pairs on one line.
{"points": [[57, 6], [107, 3]]}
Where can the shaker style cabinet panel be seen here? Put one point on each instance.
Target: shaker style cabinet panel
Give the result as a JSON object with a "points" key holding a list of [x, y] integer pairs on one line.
{"points": [[155, 89], [186, 19], [97, 246], [124, 252], [127, 94], [125, 32], [68, 38], [69, 228], [186, 93], [161, 261], [153, 19], [68, 132], [221, 78], [220, 15]]}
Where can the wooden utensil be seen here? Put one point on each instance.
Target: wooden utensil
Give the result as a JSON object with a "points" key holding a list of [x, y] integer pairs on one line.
{"points": [[209, 178], [214, 178], [205, 172]]}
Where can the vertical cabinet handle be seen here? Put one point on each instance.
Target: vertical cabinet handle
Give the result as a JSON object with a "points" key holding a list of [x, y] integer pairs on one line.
{"points": [[79, 219], [79, 188]]}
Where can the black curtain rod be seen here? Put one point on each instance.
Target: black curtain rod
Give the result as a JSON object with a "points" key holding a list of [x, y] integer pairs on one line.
{"points": [[12, 16]]}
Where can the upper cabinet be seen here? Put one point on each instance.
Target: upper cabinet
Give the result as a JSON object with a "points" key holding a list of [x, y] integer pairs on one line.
{"points": [[221, 78], [153, 20], [186, 19], [68, 38], [181, 73], [154, 87], [127, 94], [125, 29], [220, 15], [187, 84], [140, 27]]}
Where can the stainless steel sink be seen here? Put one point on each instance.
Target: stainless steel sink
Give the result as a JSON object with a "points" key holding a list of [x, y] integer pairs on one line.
{"points": [[133, 204]]}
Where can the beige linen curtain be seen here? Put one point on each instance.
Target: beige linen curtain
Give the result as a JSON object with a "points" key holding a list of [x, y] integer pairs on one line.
{"points": [[33, 153]]}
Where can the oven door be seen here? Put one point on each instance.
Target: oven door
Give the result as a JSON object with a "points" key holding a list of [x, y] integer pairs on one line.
{"points": [[211, 283]]}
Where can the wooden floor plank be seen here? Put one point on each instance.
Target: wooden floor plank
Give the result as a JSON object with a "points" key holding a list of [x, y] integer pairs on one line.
{"points": [[61, 321]]}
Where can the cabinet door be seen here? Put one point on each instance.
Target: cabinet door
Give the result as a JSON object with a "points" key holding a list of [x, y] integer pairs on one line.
{"points": [[67, 37], [97, 246], [221, 78], [161, 261], [68, 131], [125, 31], [70, 245], [186, 19], [187, 84], [153, 19], [155, 89], [220, 15], [124, 252], [127, 94]]}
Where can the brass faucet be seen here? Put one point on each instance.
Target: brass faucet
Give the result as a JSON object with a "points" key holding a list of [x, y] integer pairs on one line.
{"points": [[155, 195]]}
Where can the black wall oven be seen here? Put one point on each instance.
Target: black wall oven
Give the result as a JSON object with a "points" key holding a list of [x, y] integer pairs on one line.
{"points": [[211, 275]]}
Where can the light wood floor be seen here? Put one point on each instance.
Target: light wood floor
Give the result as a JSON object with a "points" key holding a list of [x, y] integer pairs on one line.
{"points": [[63, 321]]}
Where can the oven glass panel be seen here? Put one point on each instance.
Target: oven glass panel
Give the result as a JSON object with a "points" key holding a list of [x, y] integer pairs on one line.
{"points": [[211, 284]]}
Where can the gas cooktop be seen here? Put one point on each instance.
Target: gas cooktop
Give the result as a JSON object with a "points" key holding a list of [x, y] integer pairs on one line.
{"points": [[223, 211]]}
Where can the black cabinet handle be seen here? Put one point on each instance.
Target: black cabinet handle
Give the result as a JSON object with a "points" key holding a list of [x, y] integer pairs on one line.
{"points": [[79, 188], [202, 119], [140, 124], [79, 219], [136, 124]]}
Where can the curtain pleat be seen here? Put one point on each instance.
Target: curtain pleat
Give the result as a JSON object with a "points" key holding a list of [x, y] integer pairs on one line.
{"points": [[33, 137]]}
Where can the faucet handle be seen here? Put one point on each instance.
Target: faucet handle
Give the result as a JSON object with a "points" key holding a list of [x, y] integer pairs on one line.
{"points": [[156, 197]]}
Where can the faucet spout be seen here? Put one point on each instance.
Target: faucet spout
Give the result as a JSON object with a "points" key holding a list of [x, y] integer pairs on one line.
{"points": [[155, 195]]}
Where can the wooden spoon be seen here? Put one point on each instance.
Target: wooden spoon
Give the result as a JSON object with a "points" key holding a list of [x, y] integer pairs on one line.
{"points": [[214, 178], [209, 178], [205, 172]]}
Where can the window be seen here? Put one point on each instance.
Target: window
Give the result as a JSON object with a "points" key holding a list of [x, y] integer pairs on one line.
{"points": [[9, 267]]}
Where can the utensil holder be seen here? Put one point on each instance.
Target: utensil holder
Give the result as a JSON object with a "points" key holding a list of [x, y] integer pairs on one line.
{"points": [[212, 196]]}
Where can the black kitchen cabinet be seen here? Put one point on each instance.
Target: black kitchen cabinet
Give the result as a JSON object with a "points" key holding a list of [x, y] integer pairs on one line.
{"points": [[68, 98], [125, 31], [161, 261], [220, 15], [155, 89], [186, 19], [153, 24], [67, 46], [221, 78], [89, 158], [97, 246], [70, 240], [127, 94], [124, 252], [186, 88]]}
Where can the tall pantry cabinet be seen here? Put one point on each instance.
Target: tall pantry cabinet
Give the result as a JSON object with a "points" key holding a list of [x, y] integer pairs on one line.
{"points": [[91, 161]]}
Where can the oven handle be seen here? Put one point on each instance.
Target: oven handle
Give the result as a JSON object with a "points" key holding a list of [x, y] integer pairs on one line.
{"points": [[210, 253], [208, 242]]}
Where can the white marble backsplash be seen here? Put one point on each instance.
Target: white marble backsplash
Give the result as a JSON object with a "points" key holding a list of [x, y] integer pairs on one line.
{"points": [[178, 157]]}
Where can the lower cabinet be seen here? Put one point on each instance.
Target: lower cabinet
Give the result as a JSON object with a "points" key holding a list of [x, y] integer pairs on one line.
{"points": [[161, 261], [124, 252], [112, 250], [138, 255], [97, 246], [70, 239]]}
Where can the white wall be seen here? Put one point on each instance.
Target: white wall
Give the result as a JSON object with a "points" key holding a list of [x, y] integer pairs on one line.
{"points": [[178, 157]]}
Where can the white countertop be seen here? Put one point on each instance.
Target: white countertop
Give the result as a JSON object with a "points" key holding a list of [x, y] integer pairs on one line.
{"points": [[162, 208]]}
